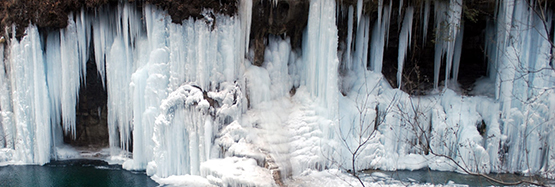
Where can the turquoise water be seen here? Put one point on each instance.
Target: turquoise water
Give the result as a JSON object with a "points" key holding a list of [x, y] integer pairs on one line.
{"points": [[76, 173], [72, 173]]}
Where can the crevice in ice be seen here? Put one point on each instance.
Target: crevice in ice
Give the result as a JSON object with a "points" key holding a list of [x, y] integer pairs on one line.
{"points": [[91, 115]]}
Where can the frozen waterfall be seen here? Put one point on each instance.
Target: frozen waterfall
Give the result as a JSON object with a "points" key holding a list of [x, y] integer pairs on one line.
{"points": [[185, 98]]}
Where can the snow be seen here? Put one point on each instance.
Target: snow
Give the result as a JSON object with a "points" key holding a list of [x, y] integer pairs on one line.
{"points": [[198, 113], [183, 180], [337, 178], [234, 171]]}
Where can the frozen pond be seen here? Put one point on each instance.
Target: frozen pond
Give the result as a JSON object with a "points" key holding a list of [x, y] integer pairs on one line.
{"points": [[72, 173]]}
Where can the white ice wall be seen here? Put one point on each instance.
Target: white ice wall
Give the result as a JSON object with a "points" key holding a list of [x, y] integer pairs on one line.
{"points": [[26, 125], [522, 70], [517, 131]]}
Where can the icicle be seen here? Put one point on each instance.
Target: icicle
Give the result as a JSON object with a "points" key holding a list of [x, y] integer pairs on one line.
{"points": [[454, 13], [457, 55], [347, 58], [359, 12], [361, 51], [245, 13], [503, 28], [71, 74], [380, 34], [320, 53], [119, 68], [54, 76], [102, 37], [83, 42], [404, 42], [446, 36]]}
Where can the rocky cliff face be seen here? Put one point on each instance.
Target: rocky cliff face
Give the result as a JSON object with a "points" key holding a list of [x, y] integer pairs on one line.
{"points": [[45, 14], [54, 13]]}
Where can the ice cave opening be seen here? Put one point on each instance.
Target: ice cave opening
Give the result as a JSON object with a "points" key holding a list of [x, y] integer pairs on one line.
{"points": [[91, 125]]}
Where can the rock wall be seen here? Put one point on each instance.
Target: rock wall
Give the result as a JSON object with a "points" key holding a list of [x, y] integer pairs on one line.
{"points": [[54, 13]]}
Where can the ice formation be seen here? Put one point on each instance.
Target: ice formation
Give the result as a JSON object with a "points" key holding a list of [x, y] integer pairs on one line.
{"points": [[187, 100], [404, 43]]}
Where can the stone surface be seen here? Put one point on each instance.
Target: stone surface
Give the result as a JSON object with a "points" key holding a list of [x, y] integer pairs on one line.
{"points": [[54, 13]]}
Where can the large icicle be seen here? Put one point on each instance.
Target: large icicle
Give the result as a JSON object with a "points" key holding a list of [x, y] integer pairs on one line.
{"points": [[360, 58], [71, 47], [457, 55], [102, 38], [380, 34], [404, 43], [119, 67], [245, 13], [448, 26]]}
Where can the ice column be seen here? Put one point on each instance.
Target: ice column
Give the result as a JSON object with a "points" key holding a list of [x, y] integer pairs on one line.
{"points": [[6, 111], [320, 53], [30, 99], [321, 64]]}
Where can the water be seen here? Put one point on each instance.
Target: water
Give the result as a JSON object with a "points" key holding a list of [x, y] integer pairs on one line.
{"points": [[72, 173], [441, 177]]}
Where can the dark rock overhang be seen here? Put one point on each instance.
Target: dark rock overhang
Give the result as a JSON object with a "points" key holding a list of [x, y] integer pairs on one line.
{"points": [[53, 14]]}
